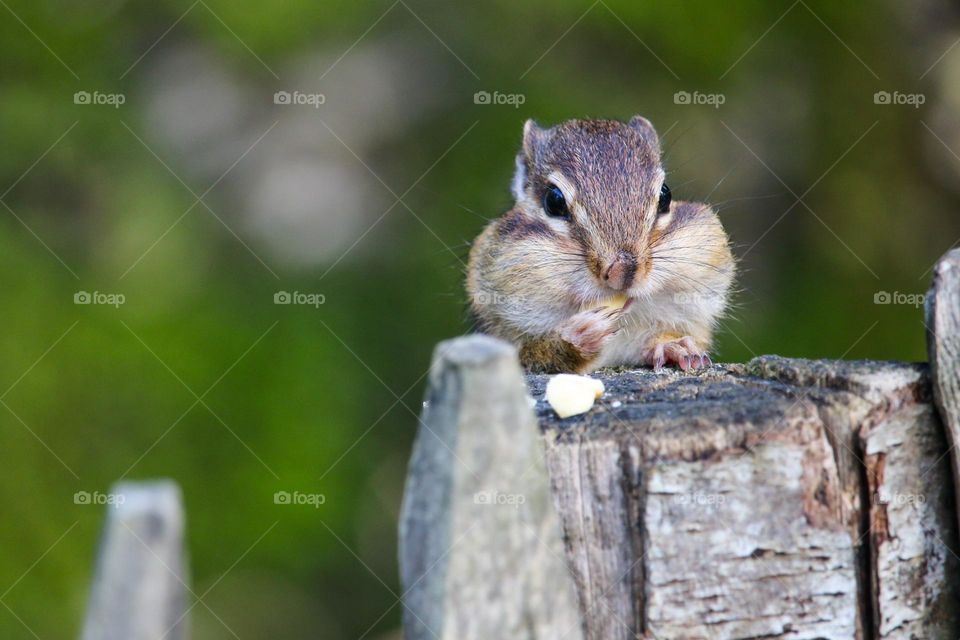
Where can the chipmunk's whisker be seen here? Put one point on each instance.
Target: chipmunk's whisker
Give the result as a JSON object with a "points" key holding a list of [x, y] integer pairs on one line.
{"points": [[693, 262], [697, 283], [727, 175]]}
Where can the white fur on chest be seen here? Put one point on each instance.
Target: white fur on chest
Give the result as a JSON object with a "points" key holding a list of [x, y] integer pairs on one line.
{"points": [[647, 318]]}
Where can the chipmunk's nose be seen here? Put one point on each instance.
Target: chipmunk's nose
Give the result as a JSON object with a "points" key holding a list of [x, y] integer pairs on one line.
{"points": [[619, 273]]}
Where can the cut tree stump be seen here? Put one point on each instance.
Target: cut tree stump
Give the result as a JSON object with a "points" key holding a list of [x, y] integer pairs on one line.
{"points": [[781, 498]]}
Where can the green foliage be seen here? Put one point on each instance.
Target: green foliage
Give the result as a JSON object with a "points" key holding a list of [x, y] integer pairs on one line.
{"points": [[293, 391]]}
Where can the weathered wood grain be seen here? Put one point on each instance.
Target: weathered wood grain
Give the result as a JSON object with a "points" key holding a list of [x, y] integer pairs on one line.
{"points": [[481, 555], [914, 571], [599, 513], [943, 347], [139, 587], [738, 503]]}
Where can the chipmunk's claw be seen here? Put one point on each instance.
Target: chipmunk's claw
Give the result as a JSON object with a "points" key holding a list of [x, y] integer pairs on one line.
{"points": [[683, 352], [658, 363]]}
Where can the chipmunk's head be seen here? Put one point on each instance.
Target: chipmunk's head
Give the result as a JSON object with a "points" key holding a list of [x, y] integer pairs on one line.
{"points": [[599, 188]]}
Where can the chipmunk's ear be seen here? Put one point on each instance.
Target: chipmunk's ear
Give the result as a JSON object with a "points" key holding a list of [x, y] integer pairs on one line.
{"points": [[534, 140], [519, 183], [643, 126]]}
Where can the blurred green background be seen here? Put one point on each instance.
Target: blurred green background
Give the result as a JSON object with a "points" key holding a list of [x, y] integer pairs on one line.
{"points": [[202, 196]]}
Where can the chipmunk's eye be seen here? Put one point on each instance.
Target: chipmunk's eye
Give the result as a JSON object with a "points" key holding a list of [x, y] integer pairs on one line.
{"points": [[663, 206], [554, 203]]}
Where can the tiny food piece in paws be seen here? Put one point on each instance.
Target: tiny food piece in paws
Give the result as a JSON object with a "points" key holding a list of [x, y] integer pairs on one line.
{"points": [[617, 302], [571, 395]]}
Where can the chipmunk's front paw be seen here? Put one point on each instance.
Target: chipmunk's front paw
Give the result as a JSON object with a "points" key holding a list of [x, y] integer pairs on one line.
{"points": [[589, 331], [683, 352]]}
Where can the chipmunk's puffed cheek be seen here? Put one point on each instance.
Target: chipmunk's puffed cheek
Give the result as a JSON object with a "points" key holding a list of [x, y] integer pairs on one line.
{"points": [[518, 226], [663, 221]]}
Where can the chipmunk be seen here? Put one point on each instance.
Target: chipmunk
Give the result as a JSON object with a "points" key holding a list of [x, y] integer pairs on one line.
{"points": [[596, 265]]}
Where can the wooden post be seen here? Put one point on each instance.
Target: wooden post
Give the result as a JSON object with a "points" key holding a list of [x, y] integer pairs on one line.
{"points": [[139, 588], [480, 551], [943, 347]]}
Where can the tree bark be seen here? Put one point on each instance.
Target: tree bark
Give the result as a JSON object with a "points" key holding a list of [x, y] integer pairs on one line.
{"points": [[782, 498], [943, 347]]}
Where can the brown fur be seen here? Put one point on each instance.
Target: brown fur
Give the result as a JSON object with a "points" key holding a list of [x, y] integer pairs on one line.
{"points": [[553, 354]]}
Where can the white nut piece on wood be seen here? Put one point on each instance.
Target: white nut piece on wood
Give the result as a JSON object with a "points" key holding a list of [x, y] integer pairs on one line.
{"points": [[571, 395]]}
